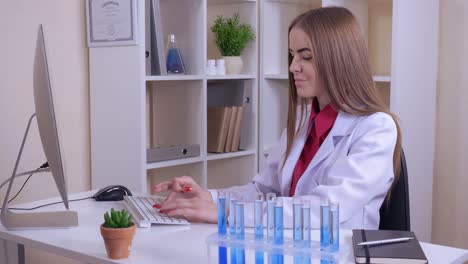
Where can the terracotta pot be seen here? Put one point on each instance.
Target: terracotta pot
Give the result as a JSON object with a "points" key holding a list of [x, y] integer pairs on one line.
{"points": [[118, 241], [234, 64]]}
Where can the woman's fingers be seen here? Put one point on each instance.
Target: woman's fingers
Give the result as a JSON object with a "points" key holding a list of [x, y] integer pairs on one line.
{"points": [[182, 184], [177, 203], [162, 186], [194, 210]]}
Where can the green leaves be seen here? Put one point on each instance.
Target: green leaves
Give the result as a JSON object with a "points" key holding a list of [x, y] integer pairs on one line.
{"points": [[231, 36], [117, 219]]}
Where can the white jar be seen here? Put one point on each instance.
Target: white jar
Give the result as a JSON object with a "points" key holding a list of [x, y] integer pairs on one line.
{"points": [[220, 67], [210, 67]]}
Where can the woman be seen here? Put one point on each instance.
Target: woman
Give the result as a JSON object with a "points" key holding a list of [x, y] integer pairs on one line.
{"points": [[341, 142]]}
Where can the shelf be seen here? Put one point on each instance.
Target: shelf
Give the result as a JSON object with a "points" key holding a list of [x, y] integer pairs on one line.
{"points": [[231, 77], [226, 2], [292, 2], [280, 76], [175, 162], [175, 78], [213, 156], [382, 78]]}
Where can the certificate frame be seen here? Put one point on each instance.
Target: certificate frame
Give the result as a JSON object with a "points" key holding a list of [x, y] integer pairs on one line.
{"points": [[111, 22]]}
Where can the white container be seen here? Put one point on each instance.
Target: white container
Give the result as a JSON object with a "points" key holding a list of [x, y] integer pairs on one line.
{"points": [[211, 67], [220, 67]]}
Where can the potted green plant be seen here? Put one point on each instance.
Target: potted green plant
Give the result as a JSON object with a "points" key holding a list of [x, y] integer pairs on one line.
{"points": [[118, 231], [231, 38]]}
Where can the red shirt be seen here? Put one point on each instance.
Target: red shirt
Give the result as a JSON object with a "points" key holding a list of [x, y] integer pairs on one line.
{"points": [[323, 122]]}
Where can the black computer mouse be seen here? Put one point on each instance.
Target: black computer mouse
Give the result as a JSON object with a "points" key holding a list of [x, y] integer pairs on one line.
{"points": [[112, 193]]}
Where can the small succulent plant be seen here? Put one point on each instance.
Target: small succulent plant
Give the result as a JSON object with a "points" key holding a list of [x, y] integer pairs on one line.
{"points": [[117, 219]]}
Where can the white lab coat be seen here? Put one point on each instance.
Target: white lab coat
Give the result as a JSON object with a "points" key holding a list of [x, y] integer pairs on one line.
{"points": [[353, 166]]}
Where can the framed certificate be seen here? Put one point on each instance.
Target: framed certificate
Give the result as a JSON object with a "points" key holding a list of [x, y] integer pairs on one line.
{"points": [[111, 22]]}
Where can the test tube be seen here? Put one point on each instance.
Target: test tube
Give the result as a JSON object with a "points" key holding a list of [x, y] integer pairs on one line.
{"points": [[232, 213], [306, 222], [240, 227], [297, 219], [334, 226], [279, 230], [324, 223], [306, 228], [258, 225], [240, 231], [297, 226], [258, 217], [271, 199], [222, 213], [232, 223], [222, 252]]}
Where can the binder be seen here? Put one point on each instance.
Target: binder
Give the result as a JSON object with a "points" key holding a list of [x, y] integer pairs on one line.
{"points": [[157, 56]]}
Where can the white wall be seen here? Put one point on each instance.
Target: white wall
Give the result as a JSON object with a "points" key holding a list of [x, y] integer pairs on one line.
{"points": [[413, 100], [64, 27], [450, 204]]}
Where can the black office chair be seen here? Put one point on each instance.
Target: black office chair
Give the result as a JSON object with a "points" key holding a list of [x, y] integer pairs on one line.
{"points": [[396, 216]]}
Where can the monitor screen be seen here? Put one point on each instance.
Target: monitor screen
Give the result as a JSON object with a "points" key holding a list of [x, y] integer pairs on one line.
{"points": [[46, 116]]}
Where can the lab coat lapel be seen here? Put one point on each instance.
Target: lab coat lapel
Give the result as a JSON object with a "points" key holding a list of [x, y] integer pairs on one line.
{"points": [[290, 164], [341, 128]]}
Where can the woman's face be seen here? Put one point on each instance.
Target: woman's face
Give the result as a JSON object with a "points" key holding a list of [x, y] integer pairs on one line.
{"points": [[308, 83]]}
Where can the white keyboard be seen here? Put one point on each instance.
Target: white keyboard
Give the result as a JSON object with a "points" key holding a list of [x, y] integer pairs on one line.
{"points": [[141, 208]]}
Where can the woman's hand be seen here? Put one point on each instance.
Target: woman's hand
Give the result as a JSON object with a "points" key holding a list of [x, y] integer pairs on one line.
{"points": [[193, 209], [186, 198]]}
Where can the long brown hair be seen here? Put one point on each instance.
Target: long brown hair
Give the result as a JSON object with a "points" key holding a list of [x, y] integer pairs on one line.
{"points": [[339, 52]]}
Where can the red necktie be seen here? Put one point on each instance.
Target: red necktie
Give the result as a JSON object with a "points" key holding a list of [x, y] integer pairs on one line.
{"points": [[323, 122]]}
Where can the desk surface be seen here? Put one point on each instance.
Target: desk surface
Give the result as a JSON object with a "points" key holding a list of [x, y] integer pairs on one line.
{"points": [[158, 244]]}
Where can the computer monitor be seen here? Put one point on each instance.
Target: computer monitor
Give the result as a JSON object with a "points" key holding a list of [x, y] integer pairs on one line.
{"points": [[46, 121]]}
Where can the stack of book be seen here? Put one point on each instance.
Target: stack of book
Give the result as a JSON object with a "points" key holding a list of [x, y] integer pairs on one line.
{"points": [[224, 128]]}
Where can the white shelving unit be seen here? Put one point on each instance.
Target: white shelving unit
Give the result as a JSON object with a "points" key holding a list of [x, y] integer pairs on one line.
{"points": [[402, 42], [132, 110]]}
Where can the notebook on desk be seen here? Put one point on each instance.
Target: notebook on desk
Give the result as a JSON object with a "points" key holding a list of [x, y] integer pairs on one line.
{"points": [[408, 252]]}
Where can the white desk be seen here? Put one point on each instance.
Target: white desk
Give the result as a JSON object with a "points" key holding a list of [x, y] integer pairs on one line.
{"points": [[158, 244]]}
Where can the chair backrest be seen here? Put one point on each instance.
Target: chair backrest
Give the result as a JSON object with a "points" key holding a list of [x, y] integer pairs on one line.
{"points": [[396, 216]]}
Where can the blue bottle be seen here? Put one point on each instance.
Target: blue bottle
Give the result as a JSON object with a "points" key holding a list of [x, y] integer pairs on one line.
{"points": [[174, 62]]}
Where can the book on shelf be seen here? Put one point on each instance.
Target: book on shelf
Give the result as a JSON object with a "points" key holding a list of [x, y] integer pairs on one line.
{"points": [[237, 94], [237, 129], [401, 252], [218, 125], [231, 128]]}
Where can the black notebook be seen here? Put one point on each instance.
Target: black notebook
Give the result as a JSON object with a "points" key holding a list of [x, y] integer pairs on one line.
{"points": [[403, 252]]}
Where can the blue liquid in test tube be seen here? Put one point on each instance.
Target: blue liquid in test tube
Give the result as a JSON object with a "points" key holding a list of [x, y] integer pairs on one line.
{"points": [[278, 258], [232, 223], [258, 225], [297, 219], [306, 228], [222, 253], [240, 231], [271, 200], [335, 226], [232, 213], [324, 224], [297, 226]]}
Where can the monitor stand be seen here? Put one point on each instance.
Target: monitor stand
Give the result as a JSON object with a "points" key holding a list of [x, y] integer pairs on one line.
{"points": [[35, 220]]}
